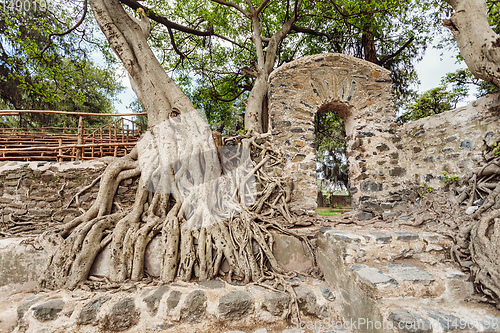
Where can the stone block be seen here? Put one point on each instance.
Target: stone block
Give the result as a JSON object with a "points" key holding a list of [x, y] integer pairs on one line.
{"points": [[49, 310], [409, 322], [153, 301], [410, 274], [122, 316], [406, 236], [275, 302], [235, 305], [291, 253], [193, 309], [88, 315], [374, 277], [380, 237]]}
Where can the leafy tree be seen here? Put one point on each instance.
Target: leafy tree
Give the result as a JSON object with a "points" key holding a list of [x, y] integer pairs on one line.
{"points": [[41, 70], [454, 88], [432, 102], [331, 148]]}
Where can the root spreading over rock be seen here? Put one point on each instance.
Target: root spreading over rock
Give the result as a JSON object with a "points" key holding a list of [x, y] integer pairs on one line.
{"points": [[209, 204]]}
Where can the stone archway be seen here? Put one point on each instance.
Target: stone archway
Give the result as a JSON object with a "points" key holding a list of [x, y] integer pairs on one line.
{"points": [[360, 92]]}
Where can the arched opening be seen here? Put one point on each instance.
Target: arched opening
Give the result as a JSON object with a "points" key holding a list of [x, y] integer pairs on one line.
{"points": [[332, 168]]}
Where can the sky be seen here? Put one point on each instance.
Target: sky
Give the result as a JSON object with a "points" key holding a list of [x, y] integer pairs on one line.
{"points": [[435, 64]]}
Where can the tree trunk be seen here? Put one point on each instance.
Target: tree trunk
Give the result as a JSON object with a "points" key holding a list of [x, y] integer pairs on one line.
{"points": [[478, 43], [158, 93], [202, 209]]}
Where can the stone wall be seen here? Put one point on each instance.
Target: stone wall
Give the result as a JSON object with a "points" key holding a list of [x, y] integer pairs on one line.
{"points": [[39, 192], [387, 160], [450, 142]]}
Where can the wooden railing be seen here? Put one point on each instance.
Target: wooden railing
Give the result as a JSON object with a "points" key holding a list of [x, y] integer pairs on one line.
{"points": [[64, 143]]}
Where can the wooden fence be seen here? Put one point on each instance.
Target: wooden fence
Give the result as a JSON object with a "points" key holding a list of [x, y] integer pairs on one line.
{"points": [[68, 144]]}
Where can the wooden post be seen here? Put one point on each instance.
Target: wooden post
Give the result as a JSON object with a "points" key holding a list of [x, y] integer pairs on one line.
{"points": [[59, 158], [128, 133], [109, 136], [100, 148], [79, 152], [93, 142], [123, 130]]}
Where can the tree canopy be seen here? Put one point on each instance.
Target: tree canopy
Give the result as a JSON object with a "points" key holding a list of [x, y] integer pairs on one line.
{"points": [[42, 68]]}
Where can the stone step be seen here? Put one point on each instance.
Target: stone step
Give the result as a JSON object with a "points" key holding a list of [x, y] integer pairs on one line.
{"points": [[209, 306], [396, 277], [436, 318], [401, 264]]}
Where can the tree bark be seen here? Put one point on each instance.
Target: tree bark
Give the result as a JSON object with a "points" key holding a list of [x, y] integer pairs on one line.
{"points": [[127, 36], [478, 43]]}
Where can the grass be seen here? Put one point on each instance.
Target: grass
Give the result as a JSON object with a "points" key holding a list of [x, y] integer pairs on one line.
{"points": [[329, 211]]}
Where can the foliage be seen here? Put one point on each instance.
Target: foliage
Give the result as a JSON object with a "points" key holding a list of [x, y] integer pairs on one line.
{"points": [[496, 149], [432, 102], [389, 33], [329, 211], [331, 148], [454, 87], [447, 178], [41, 71]]}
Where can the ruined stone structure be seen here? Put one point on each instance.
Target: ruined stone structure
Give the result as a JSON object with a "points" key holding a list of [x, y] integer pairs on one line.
{"points": [[386, 159], [360, 93]]}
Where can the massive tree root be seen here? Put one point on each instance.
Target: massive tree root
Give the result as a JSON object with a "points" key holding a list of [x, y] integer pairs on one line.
{"points": [[208, 204], [478, 238]]}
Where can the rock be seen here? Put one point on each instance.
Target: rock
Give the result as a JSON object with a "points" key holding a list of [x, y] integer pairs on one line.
{"points": [[275, 302], [467, 144], [212, 284], [380, 237], [48, 310], [374, 277], [290, 254], [235, 304], [194, 306], [153, 300], [448, 321], [160, 327], [363, 216], [327, 293], [344, 236], [411, 273], [408, 322], [173, 299], [478, 202], [21, 309], [406, 236], [88, 315], [306, 300], [123, 315], [471, 210]]}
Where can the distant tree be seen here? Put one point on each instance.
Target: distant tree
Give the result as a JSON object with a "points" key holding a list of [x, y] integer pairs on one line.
{"points": [[41, 70], [454, 88], [331, 148]]}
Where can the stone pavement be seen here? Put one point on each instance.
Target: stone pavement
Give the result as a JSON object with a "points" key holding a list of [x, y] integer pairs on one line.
{"points": [[209, 306]]}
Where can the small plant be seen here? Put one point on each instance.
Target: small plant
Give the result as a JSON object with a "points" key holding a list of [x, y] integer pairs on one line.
{"points": [[427, 189], [496, 150], [446, 178]]}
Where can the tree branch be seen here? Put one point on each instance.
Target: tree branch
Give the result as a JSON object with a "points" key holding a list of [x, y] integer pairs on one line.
{"points": [[395, 54], [261, 7], [164, 21], [235, 6], [309, 31], [85, 7]]}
